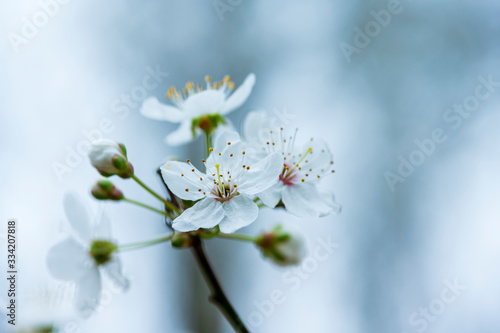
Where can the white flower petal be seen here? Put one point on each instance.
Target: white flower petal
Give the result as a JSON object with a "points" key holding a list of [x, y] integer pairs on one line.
{"points": [[88, 294], [152, 108], [262, 175], [102, 228], [204, 102], [183, 134], [78, 215], [255, 122], [179, 176], [114, 271], [222, 137], [304, 200], [67, 260], [239, 96], [318, 159], [240, 211], [206, 213], [272, 196]]}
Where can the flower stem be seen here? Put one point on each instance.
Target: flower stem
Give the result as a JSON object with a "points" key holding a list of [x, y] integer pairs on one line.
{"points": [[148, 207], [217, 294], [168, 204], [240, 237], [208, 141], [139, 245]]}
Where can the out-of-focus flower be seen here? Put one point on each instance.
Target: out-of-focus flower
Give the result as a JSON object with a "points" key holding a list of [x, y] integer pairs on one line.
{"points": [[284, 246], [110, 158], [83, 256], [103, 189], [198, 109], [224, 193], [303, 168]]}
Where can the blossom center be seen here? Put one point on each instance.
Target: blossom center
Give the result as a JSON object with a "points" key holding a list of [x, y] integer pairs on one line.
{"points": [[223, 189]]}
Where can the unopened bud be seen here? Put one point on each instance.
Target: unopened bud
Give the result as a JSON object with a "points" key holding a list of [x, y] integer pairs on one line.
{"points": [[106, 190], [284, 247], [110, 158]]}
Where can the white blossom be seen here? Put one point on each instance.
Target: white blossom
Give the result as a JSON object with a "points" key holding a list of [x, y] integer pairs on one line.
{"points": [[75, 258], [224, 193], [193, 103], [302, 170]]}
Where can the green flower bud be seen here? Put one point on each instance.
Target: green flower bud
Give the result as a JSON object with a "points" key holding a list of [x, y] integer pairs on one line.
{"points": [[105, 190], [110, 158], [101, 251], [283, 246]]}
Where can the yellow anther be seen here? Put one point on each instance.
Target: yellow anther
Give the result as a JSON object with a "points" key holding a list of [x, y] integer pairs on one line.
{"points": [[203, 161], [208, 78], [188, 160], [248, 168], [231, 85], [187, 190], [189, 85], [303, 180], [227, 79], [210, 149], [229, 143]]}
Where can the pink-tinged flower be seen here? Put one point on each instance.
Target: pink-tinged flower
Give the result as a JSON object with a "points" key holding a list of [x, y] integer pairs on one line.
{"points": [[224, 192], [302, 170], [85, 255], [197, 108]]}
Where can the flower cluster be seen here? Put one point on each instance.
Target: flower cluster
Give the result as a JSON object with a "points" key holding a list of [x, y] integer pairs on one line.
{"points": [[265, 166]]}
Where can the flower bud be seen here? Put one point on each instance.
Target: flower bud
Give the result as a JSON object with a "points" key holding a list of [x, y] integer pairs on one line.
{"points": [[101, 251], [110, 158], [284, 247], [106, 190]]}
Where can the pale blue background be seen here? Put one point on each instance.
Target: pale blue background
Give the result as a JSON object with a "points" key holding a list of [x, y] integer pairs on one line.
{"points": [[396, 248]]}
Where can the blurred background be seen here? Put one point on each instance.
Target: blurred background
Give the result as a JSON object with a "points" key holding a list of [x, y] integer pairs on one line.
{"points": [[370, 77]]}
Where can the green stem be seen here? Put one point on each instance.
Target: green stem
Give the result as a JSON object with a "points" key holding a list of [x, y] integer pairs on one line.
{"points": [[148, 207], [208, 141], [240, 237], [138, 245], [168, 204]]}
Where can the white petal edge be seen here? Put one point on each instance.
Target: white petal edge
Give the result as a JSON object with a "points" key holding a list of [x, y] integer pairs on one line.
{"points": [[88, 293], [272, 196], [102, 228], [305, 200], [67, 260], [206, 213], [78, 215], [205, 102], [262, 175], [240, 211], [181, 135], [239, 96], [153, 109], [113, 270], [179, 177]]}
